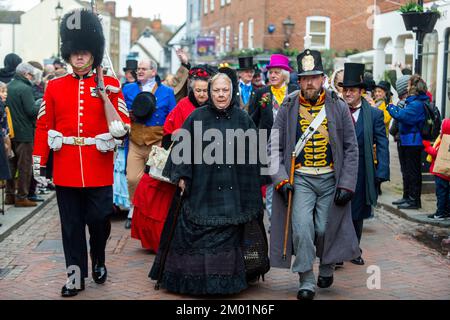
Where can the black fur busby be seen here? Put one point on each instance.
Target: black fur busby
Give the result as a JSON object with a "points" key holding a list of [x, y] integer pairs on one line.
{"points": [[81, 30]]}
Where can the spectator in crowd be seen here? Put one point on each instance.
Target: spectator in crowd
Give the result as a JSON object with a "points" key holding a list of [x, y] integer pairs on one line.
{"points": [[23, 112], [442, 181], [402, 90], [382, 96], [11, 62], [411, 120], [146, 128]]}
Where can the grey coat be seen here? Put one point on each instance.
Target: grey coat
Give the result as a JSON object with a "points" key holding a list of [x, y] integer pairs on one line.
{"points": [[340, 242]]}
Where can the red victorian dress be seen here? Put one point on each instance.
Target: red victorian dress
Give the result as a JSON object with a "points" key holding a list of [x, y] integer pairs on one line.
{"points": [[153, 198]]}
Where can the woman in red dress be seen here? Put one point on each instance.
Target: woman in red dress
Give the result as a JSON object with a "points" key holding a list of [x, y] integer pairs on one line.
{"points": [[153, 198]]}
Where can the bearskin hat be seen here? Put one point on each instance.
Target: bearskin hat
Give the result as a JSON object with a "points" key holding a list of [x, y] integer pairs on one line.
{"points": [[81, 30]]}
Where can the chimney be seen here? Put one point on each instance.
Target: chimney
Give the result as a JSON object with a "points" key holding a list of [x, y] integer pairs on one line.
{"points": [[110, 6], [100, 5], [130, 12], [156, 24]]}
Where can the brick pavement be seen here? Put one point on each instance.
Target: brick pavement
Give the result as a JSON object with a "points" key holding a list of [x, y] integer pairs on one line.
{"points": [[32, 267]]}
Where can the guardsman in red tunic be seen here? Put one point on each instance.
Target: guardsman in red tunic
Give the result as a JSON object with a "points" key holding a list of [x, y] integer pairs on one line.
{"points": [[72, 121]]}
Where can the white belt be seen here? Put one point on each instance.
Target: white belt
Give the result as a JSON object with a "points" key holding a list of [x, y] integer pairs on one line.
{"points": [[315, 171], [79, 141]]}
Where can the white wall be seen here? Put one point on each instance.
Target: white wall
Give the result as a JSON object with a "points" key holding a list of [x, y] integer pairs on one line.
{"points": [[153, 47], [125, 39], [39, 32], [174, 43], [390, 26], [8, 32]]}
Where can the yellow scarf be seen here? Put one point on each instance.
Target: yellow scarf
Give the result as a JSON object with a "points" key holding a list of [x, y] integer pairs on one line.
{"points": [[279, 94]]}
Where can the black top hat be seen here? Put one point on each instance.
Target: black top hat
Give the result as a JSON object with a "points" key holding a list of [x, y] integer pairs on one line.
{"points": [[88, 36], [131, 65], [353, 76], [386, 86], [144, 105], [245, 63], [309, 63]]}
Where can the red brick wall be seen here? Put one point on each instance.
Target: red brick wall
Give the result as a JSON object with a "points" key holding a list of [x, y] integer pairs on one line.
{"points": [[348, 21], [231, 15]]}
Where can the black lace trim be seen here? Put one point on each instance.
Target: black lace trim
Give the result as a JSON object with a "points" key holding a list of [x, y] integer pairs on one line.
{"points": [[205, 284]]}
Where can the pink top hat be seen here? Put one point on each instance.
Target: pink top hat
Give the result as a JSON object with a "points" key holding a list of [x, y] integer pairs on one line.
{"points": [[279, 61]]}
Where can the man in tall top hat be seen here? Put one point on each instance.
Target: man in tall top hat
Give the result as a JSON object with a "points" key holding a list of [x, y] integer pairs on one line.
{"points": [[246, 91], [130, 71], [325, 157], [73, 122], [370, 131]]}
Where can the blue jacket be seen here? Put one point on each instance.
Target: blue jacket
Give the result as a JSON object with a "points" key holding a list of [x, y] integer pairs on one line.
{"points": [[411, 119], [165, 102]]}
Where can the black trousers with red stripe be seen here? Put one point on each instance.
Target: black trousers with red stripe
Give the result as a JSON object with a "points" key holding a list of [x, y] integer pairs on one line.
{"points": [[78, 208]]}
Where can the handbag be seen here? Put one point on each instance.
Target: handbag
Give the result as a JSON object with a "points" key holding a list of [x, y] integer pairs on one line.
{"points": [[255, 250], [442, 163], [157, 161]]}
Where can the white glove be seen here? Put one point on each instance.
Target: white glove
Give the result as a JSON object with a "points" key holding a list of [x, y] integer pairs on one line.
{"points": [[117, 129], [42, 181]]}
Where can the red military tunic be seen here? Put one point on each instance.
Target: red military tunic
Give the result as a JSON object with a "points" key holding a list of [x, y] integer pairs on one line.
{"points": [[70, 106]]}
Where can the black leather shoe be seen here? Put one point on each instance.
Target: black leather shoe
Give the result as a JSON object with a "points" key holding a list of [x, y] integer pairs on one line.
{"points": [[400, 201], [304, 294], [409, 205], [67, 293], [324, 282], [359, 261], [36, 198], [128, 223], [339, 265], [99, 274]]}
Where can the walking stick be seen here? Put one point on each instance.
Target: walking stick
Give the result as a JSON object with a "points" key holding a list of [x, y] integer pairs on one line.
{"points": [[169, 240], [289, 209]]}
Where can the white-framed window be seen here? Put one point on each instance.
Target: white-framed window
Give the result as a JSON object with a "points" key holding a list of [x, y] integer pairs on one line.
{"points": [[222, 3], [227, 38], [211, 5], [319, 30], [228, 1], [251, 30], [221, 40], [241, 36], [205, 6]]}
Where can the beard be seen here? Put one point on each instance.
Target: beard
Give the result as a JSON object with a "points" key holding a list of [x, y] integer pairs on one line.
{"points": [[311, 94]]}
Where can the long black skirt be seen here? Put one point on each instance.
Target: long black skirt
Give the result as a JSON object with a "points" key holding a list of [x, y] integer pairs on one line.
{"points": [[201, 260], [5, 173]]}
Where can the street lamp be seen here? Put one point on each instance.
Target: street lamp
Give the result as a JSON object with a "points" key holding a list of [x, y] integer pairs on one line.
{"points": [[288, 27], [58, 12]]}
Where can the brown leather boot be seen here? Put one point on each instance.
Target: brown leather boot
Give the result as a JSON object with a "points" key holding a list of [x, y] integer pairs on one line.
{"points": [[10, 199], [25, 203]]}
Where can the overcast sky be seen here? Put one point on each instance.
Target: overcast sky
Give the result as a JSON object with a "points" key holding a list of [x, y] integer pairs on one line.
{"points": [[172, 11]]}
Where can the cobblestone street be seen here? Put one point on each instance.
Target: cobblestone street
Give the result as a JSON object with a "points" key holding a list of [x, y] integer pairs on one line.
{"points": [[32, 266]]}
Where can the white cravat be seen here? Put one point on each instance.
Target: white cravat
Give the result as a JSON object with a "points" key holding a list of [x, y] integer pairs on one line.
{"points": [[355, 114], [149, 85]]}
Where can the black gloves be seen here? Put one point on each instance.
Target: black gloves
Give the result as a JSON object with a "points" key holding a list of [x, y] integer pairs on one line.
{"points": [[284, 191], [342, 197]]}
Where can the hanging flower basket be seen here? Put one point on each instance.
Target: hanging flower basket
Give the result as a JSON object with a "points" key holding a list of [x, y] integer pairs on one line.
{"points": [[420, 21]]}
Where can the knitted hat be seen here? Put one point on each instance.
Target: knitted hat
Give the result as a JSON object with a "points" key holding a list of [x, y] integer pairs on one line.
{"points": [[402, 85]]}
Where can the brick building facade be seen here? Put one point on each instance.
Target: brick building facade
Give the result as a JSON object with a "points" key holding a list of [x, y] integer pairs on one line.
{"points": [[243, 24]]}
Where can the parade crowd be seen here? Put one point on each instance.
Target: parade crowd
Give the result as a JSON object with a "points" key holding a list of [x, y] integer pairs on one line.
{"points": [[107, 146]]}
